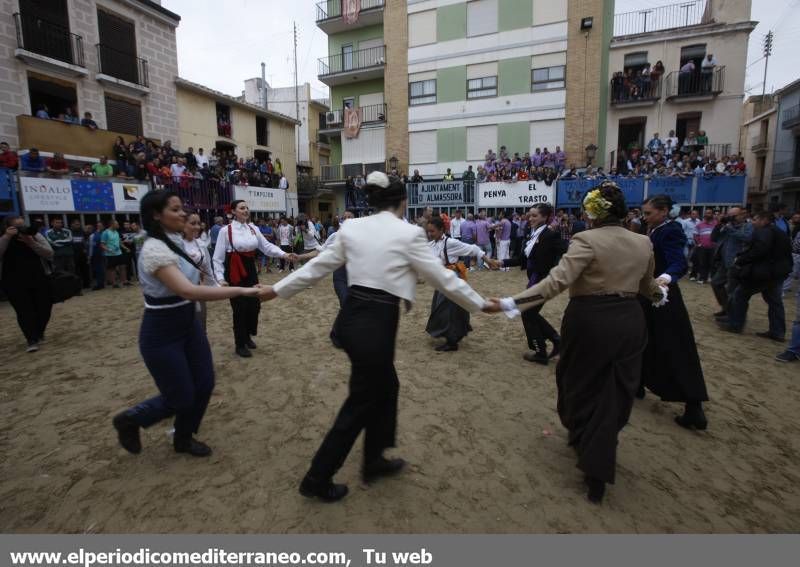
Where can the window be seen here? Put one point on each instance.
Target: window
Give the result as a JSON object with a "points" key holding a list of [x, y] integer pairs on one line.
{"points": [[547, 134], [694, 53], [635, 62], [548, 78], [480, 139], [422, 147], [480, 88], [481, 17], [53, 94], [422, 92], [422, 28], [262, 131], [117, 49], [123, 116], [347, 57]]}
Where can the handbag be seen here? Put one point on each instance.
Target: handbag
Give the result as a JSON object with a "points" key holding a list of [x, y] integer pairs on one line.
{"points": [[63, 286]]}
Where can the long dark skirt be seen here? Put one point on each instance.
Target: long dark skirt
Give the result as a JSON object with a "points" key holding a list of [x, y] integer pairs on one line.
{"points": [[447, 319], [671, 366], [597, 376]]}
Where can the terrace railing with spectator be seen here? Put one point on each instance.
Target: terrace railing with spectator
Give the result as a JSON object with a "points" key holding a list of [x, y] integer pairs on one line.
{"points": [[653, 19], [121, 65], [370, 114], [352, 61], [790, 117], [695, 84], [643, 91], [329, 9], [198, 193], [51, 40]]}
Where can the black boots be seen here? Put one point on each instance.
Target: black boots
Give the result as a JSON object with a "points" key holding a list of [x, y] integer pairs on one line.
{"points": [[244, 352], [250, 344], [325, 490], [597, 489], [191, 446], [128, 432], [693, 417], [447, 347], [556, 347], [381, 467]]}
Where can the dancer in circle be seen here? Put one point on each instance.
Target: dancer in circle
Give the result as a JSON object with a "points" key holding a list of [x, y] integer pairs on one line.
{"points": [[172, 342], [383, 255], [598, 372], [235, 264], [447, 318], [671, 366], [540, 254], [197, 249]]}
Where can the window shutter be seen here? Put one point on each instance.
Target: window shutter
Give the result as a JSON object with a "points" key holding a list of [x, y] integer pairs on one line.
{"points": [[123, 116]]}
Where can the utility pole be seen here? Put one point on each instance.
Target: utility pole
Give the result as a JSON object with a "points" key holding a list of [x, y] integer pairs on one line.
{"points": [[296, 96], [767, 52]]}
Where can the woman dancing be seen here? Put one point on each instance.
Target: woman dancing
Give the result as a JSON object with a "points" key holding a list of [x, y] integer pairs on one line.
{"points": [[383, 255], [598, 372], [671, 366], [235, 264], [198, 252], [448, 319], [173, 344], [541, 253]]}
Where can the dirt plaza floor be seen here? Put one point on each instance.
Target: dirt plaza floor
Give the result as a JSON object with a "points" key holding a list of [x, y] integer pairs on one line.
{"points": [[479, 428]]}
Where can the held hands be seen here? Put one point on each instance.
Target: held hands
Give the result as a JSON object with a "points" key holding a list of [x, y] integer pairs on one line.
{"points": [[292, 257], [265, 292], [492, 305], [493, 264], [662, 282]]}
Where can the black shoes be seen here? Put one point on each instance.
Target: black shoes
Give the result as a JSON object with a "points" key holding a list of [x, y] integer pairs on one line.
{"points": [[770, 336], [720, 314], [556, 347], [128, 432], [325, 490], [693, 417], [244, 352], [250, 344], [597, 489], [640, 392], [536, 356], [447, 347], [191, 446], [381, 467]]}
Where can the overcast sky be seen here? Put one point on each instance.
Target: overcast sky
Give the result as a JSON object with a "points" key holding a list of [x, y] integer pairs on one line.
{"points": [[221, 45]]}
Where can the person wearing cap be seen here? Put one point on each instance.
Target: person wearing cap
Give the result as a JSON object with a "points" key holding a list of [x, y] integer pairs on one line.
{"points": [[384, 256]]}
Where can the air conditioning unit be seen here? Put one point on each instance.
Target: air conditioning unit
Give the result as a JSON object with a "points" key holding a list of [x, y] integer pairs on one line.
{"points": [[330, 117]]}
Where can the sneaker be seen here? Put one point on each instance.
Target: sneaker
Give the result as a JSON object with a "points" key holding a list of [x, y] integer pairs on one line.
{"points": [[692, 279], [787, 356], [280, 271], [701, 282], [33, 347]]}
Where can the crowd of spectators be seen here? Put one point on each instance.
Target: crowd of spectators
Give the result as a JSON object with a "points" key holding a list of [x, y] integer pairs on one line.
{"points": [[637, 84]]}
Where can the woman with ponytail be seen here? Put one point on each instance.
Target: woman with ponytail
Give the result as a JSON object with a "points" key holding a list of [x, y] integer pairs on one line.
{"points": [[171, 340], [671, 366]]}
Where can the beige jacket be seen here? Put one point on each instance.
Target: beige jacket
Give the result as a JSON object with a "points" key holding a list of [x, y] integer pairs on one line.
{"points": [[600, 261]]}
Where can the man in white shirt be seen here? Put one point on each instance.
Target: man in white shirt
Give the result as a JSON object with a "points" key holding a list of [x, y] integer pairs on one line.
{"points": [[707, 71], [672, 140], [284, 183], [455, 225], [202, 160], [285, 238], [689, 225], [177, 169]]}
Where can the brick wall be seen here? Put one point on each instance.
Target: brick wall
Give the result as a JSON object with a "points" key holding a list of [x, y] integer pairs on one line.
{"points": [[395, 33]]}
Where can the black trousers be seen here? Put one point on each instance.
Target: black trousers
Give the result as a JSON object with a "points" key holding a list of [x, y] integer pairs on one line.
{"points": [[536, 327], [245, 309], [82, 267], [32, 304], [702, 262], [288, 250], [341, 289], [367, 331]]}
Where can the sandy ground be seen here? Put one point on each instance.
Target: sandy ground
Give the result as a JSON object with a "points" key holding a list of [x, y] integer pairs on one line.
{"points": [[479, 428]]}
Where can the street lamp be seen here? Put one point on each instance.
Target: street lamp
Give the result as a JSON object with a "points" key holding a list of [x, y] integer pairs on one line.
{"points": [[393, 163], [591, 152]]}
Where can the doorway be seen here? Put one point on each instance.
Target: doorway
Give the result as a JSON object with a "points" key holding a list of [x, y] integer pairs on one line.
{"points": [[631, 133], [686, 123]]}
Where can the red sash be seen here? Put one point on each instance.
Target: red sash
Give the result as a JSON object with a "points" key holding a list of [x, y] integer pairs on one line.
{"points": [[236, 268]]}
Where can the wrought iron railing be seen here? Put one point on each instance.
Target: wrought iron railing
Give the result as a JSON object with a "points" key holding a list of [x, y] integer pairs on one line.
{"points": [[51, 40], [786, 168], [371, 113], [758, 143], [638, 89], [653, 19], [696, 83], [329, 9], [352, 61], [122, 65], [790, 117]]}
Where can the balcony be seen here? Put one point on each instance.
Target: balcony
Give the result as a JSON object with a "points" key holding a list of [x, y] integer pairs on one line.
{"points": [[695, 87], [122, 69], [371, 114], [786, 172], [790, 118], [361, 65], [664, 18], [49, 46], [631, 96], [339, 173], [330, 20], [759, 146]]}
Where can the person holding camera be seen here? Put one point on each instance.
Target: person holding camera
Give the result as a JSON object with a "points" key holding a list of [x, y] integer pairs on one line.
{"points": [[24, 266], [730, 235]]}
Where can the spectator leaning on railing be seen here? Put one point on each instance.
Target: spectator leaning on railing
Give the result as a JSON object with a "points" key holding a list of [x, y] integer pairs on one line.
{"points": [[32, 161], [8, 158]]}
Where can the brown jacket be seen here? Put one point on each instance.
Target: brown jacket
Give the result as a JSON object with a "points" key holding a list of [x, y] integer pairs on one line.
{"points": [[603, 260]]}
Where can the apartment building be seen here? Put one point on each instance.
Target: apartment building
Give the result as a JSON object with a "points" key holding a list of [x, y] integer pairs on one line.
{"points": [[757, 143], [785, 184], [683, 97], [115, 59]]}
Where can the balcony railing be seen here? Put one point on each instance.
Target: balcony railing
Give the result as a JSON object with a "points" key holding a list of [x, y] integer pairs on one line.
{"points": [[370, 114], [786, 168], [639, 90], [717, 150], [121, 65], [329, 9], [790, 117], [341, 172], [51, 40], [696, 83], [758, 144], [352, 61], [663, 18]]}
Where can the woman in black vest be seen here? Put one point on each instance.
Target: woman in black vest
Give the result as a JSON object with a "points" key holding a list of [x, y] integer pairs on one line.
{"points": [[540, 254]]}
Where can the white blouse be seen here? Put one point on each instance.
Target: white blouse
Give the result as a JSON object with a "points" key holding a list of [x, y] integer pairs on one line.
{"points": [[455, 249], [202, 257], [246, 238]]}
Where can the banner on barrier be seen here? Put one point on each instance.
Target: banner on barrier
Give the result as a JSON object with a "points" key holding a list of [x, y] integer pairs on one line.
{"points": [[440, 193], [128, 195], [516, 194], [721, 190], [678, 188], [46, 195], [571, 192], [261, 199], [92, 196], [42, 194]]}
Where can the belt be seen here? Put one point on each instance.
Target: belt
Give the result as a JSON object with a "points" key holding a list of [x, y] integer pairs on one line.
{"points": [[151, 302], [371, 294], [625, 294]]}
